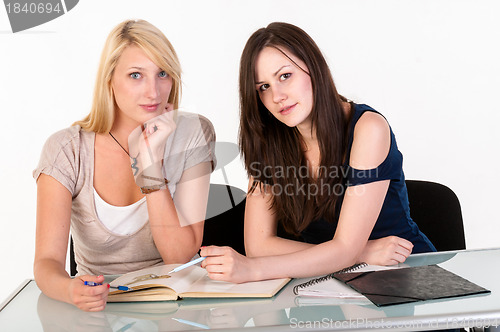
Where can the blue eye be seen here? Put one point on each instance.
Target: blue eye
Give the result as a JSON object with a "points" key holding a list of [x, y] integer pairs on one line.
{"points": [[135, 75], [163, 74]]}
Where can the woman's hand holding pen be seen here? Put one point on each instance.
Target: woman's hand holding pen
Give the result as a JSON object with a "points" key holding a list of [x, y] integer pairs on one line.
{"points": [[225, 264], [88, 298]]}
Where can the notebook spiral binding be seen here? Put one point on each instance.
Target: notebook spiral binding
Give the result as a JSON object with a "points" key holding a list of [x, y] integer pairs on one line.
{"points": [[328, 276]]}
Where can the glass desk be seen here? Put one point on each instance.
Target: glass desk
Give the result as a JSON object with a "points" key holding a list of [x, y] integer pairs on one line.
{"points": [[30, 310]]}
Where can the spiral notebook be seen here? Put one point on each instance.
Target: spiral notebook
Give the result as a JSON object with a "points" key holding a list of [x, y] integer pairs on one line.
{"points": [[388, 285], [328, 286]]}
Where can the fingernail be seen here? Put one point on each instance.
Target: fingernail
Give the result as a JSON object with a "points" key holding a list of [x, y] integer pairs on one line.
{"points": [[109, 286]]}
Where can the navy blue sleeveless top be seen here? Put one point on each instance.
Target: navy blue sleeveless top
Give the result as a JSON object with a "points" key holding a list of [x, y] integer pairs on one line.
{"points": [[394, 218]]}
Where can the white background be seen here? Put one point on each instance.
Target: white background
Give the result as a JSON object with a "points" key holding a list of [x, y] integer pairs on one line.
{"points": [[431, 67]]}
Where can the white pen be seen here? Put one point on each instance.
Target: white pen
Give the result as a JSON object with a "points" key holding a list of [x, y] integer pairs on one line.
{"points": [[202, 326], [188, 264]]}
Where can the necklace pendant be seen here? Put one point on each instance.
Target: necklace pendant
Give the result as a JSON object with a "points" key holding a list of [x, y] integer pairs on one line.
{"points": [[134, 165], [134, 160]]}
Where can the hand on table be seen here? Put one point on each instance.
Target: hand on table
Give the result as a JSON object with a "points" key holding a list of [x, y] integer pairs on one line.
{"points": [[388, 250]]}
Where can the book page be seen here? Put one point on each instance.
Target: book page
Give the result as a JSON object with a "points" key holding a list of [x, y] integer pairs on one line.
{"points": [[306, 301], [369, 268], [157, 276], [330, 288], [334, 288], [206, 287]]}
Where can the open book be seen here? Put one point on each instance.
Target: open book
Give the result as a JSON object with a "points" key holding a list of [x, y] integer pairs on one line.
{"points": [[154, 284]]}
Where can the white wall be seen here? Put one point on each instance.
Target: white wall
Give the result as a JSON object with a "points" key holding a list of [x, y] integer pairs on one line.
{"points": [[431, 67]]}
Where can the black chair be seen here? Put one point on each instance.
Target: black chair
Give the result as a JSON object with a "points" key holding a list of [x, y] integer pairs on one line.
{"points": [[436, 210], [225, 217], [72, 262]]}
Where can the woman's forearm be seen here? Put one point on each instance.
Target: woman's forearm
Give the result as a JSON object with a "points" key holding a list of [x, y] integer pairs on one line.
{"points": [[225, 264], [176, 243], [52, 279], [316, 260], [274, 245]]}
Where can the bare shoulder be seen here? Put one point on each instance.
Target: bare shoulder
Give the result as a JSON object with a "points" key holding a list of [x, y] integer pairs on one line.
{"points": [[372, 141], [371, 123]]}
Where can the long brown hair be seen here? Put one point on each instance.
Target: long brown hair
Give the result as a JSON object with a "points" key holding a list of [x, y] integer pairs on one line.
{"points": [[272, 152]]}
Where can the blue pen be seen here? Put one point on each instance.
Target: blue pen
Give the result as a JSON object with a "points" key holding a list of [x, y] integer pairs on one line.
{"points": [[188, 264], [91, 283]]}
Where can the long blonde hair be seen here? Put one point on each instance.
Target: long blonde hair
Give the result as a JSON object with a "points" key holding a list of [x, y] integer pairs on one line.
{"points": [[156, 46]]}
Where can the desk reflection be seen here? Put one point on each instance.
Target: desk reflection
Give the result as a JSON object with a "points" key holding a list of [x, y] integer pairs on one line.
{"points": [[161, 316], [199, 314]]}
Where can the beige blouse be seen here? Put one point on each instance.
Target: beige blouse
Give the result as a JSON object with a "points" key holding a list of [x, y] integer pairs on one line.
{"points": [[68, 156]]}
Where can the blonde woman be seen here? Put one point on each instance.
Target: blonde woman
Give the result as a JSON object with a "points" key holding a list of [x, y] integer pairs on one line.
{"points": [[121, 179]]}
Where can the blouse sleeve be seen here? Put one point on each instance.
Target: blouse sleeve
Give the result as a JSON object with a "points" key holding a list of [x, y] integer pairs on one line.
{"points": [[202, 145], [59, 158]]}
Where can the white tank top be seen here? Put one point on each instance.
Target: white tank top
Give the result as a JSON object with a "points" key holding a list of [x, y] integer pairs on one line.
{"points": [[122, 220]]}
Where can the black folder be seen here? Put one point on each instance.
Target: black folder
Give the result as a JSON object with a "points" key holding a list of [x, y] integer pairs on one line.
{"points": [[410, 284]]}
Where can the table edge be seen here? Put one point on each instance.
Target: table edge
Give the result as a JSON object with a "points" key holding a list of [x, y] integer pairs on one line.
{"points": [[18, 290]]}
